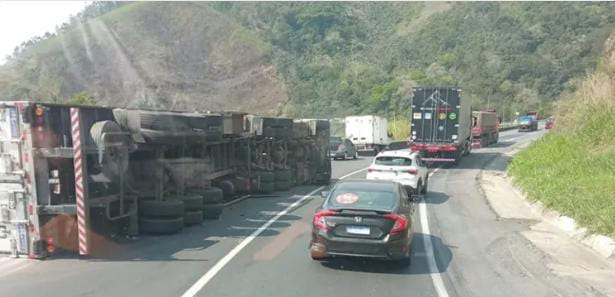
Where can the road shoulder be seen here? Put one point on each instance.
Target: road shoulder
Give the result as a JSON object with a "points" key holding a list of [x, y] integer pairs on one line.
{"points": [[557, 237]]}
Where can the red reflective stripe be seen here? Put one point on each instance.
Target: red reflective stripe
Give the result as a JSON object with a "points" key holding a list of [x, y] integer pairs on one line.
{"points": [[81, 210]]}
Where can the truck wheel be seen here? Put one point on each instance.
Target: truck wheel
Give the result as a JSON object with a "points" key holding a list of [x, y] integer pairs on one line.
{"points": [[282, 175], [228, 189], [167, 208], [161, 225], [212, 211], [211, 195], [265, 176], [193, 217], [267, 187], [192, 202], [282, 185]]}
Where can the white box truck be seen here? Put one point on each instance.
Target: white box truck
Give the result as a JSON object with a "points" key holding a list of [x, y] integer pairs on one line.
{"points": [[368, 133]]}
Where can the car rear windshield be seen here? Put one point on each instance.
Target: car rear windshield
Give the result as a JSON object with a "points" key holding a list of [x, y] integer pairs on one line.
{"points": [[335, 140], [363, 196], [393, 161]]}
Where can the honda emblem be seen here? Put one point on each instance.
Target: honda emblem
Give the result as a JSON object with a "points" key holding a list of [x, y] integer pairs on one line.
{"points": [[358, 219]]}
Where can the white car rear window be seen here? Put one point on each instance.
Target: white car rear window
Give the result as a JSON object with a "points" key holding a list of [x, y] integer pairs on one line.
{"points": [[393, 161]]}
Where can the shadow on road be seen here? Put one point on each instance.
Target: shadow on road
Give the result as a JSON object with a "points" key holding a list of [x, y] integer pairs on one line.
{"points": [[419, 264], [435, 197], [182, 246], [501, 144], [476, 160]]}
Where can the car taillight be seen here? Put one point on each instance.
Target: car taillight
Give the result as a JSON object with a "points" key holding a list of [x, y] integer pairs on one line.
{"points": [[412, 171], [341, 147], [319, 219], [401, 223]]}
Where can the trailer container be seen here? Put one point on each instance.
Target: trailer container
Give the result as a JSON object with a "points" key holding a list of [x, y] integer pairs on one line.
{"points": [[441, 122]]}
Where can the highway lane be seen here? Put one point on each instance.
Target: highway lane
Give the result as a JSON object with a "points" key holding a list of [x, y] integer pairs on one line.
{"points": [[476, 253], [155, 265]]}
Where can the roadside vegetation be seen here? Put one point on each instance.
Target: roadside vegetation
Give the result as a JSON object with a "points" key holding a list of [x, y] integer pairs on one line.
{"points": [[312, 59], [572, 169]]}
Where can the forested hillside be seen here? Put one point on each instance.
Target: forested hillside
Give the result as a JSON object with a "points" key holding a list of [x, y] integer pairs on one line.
{"points": [[321, 59]]}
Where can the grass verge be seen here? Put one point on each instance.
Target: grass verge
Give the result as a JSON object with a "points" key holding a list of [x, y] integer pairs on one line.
{"points": [[573, 171]]}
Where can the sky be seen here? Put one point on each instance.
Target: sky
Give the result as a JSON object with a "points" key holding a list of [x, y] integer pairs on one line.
{"points": [[22, 20]]}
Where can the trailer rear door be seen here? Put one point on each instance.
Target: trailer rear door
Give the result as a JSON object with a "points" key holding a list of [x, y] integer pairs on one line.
{"points": [[435, 115], [13, 213]]}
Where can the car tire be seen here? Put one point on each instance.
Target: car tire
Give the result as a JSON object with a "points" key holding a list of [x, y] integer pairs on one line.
{"points": [[167, 208], [210, 196], [345, 156], [212, 211], [405, 262], [356, 155], [161, 225], [193, 217], [267, 187], [424, 188]]}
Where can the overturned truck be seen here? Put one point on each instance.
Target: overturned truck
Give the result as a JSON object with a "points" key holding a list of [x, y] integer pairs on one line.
{"points": [[71, 176]]}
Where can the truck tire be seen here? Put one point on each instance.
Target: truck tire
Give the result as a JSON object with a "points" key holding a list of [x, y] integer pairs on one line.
{"points": [[212, 211], [228, 189], [267, 187], [161, 225], [210, 196], [167, 208], [282, 175], [282, 185], [193, 217], [192, 202], [265, 176]]}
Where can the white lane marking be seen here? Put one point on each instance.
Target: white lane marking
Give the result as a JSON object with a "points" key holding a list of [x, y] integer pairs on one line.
{"points": [[435, 275], [353, 173], [192, 291], [216, 268], [434, 171]]}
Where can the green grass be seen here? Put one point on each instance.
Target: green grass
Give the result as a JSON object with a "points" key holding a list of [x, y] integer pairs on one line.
{"points": [[573, 170]]}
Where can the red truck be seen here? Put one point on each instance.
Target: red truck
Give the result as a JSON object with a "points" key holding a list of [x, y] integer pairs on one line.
{"points": [[485, 128]]}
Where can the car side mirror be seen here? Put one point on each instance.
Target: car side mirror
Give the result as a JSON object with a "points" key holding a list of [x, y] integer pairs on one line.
{"points": [[324, 194]]}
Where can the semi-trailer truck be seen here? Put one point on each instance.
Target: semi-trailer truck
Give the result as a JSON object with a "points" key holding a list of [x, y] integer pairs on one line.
{"points": [[441, 123], [485, 128], [72, 175]]}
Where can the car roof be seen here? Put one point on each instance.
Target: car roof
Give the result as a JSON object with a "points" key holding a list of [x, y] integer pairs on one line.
{"points": [[367, 182], [398, 153]]}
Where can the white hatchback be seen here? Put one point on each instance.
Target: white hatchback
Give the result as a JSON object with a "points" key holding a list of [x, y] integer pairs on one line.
{"points": [[404, 167]]}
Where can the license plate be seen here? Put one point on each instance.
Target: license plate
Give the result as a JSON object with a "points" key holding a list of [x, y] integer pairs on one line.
{"points": [[357, 230]]}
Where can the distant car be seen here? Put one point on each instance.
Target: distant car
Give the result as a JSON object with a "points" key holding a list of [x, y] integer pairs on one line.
{"points": [[550, 123], [398, 145], [404, 167], [364, 218], [342, 148]]}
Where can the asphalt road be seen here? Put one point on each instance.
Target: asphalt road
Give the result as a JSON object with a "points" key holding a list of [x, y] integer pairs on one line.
{"points": [[260, 248]]}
